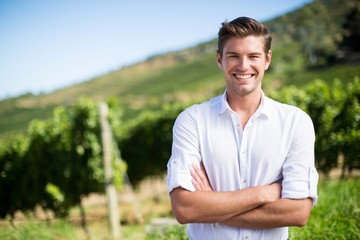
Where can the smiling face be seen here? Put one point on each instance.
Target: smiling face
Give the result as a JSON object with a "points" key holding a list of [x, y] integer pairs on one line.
{"points": [[243, 62]]}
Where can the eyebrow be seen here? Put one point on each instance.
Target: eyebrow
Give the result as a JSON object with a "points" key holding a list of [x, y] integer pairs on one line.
{"points": [[235, 53], [231, 53]]}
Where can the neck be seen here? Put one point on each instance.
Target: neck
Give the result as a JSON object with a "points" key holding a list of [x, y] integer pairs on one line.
{"points": [[245, 106]]}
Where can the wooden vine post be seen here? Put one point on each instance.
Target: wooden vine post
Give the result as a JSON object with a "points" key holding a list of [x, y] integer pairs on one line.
{"points": [[111, 195]]}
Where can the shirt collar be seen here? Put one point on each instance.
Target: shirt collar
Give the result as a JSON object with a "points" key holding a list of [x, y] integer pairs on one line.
{"points": [[224, 105], [263, 108]]}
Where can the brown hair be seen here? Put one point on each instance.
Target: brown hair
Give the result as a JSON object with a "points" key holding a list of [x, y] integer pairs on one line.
{"points": [[243, 27]]}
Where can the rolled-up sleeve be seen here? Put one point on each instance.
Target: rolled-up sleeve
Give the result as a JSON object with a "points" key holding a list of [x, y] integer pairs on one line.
{"points": [[300, 177], [185, 151]]}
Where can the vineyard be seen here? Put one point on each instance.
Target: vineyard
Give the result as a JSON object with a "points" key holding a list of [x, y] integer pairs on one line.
{"points": [[58, 161], [51, 146]]}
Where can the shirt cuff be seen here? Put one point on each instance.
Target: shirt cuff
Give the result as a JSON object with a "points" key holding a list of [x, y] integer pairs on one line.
{"points": [[178, 176], [304, 188]]}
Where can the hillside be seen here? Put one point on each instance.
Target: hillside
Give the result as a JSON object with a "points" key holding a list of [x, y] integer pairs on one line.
{"points": [[319, 40], [151, 81]]}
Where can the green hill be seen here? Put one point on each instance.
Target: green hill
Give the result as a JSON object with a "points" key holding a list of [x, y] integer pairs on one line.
{"points": [[319, 40]]}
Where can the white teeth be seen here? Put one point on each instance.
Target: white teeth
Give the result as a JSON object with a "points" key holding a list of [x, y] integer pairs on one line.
{"points": [[243, 76]]}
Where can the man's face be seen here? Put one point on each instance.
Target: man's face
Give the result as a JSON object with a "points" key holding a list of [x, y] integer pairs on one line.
{"points": [[243, 63]]}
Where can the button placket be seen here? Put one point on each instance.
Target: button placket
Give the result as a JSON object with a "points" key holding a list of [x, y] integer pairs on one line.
{"points": [[244, 157], [238, 131]]}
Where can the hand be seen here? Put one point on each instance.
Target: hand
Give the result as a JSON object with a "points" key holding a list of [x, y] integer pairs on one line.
{"points": [[199, 178], [273, 192]]}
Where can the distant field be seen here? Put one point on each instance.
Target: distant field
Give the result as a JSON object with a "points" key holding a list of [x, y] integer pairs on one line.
{"points": [[344, 73], [17, 119]]}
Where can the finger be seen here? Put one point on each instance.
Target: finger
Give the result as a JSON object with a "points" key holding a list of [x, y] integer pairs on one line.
{"points": [[199, 183], [196, 185], [203, 173], [199, 177], [202, 177], [194, 175]]}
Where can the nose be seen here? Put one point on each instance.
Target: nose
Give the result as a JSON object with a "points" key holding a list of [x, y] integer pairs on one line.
{"points": [[243, 64]]}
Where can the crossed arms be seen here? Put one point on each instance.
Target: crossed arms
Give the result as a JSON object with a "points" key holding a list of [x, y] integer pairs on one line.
{"points": [[255, 207]]}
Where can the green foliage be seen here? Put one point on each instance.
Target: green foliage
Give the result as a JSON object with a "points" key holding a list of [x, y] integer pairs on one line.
{"points": [[146, 141], [334, 110], [55, 192], [11, 175], [56, 164], [347, 126]]}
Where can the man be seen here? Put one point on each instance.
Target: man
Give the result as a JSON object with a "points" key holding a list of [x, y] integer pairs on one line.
{"points": [[242, 164]]}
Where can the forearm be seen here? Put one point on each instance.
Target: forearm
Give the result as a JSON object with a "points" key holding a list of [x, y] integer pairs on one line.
{"points": [[210, 207], [281, 213]]}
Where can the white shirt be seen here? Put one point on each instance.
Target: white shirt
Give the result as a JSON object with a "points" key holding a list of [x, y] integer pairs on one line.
{"points": [[276, 143]]}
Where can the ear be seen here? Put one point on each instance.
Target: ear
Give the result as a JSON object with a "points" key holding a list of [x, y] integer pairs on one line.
{"points": [[218, 59], [268, 59]]}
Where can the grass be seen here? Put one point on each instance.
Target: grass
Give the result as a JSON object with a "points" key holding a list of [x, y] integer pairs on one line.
{"points": [[34, 230], [170, 233], [336, 216]]}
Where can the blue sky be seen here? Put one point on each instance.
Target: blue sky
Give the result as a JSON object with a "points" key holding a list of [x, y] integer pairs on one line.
{"points": [[47, 45]]}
